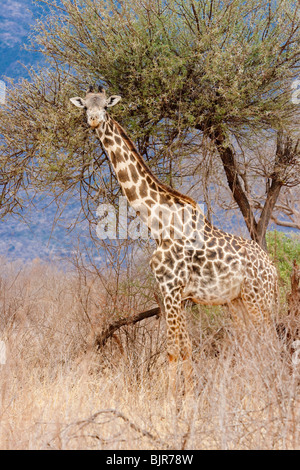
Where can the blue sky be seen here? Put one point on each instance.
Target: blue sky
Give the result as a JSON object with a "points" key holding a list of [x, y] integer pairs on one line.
{"points": [[36, 237], [16, 19]]}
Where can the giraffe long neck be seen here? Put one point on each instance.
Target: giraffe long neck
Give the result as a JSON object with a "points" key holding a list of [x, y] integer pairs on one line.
{"points": [[144, 192]]}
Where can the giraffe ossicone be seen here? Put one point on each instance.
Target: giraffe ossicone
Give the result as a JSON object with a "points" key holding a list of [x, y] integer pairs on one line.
{"points": [[193, 259]]}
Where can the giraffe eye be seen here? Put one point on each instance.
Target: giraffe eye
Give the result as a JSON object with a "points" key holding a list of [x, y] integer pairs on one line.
{"points": [[105, 107]]}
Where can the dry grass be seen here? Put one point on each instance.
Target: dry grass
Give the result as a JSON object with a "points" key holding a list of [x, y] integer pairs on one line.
{"points": [[54, 396]]}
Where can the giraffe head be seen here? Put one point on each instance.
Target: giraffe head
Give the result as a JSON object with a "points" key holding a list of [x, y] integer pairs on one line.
{"points": [[95, 105]]}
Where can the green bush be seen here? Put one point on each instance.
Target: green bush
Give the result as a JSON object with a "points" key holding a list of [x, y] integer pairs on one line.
{"points": [[283, 249]]}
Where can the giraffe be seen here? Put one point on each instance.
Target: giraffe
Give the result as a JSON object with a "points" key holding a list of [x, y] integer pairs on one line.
{"points": [[193, 260]]}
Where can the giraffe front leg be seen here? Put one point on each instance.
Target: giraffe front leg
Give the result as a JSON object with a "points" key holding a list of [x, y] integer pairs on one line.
{"points": [[178, 343], [173, 346], [171, 283], [186, 355]]}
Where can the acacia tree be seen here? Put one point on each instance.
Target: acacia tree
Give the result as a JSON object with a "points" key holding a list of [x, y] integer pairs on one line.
{"points": [[201, 81]]}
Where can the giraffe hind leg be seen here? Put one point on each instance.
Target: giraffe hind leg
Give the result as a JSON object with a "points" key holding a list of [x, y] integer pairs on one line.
{"points": [[256, 303], [247, 313], [239, 312]]}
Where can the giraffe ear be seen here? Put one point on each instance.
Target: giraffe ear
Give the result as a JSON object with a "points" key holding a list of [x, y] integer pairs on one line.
{"points": [[112, 100], [79, 102]]}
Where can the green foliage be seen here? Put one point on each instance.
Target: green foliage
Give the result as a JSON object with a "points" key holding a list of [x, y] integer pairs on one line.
{"points": [[283, 250], [214, 61], [181, 66]]}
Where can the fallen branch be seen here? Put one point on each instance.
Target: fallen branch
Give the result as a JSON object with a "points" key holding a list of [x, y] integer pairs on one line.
{"points": [[102, 338]]}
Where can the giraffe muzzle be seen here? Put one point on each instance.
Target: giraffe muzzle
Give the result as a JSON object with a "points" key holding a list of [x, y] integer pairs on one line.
{"points": [[93, 123]]}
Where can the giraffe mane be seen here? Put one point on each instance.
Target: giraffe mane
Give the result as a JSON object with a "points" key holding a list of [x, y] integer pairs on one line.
{"points": [[130, 145]]}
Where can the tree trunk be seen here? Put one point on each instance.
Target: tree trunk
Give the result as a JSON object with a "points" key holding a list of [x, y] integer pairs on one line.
{"points": [[266, 214], [284, 154], [233, 179]]}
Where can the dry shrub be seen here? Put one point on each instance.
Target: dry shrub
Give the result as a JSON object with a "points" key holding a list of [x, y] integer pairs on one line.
{"points": [[55, 393], [41, 316]]}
